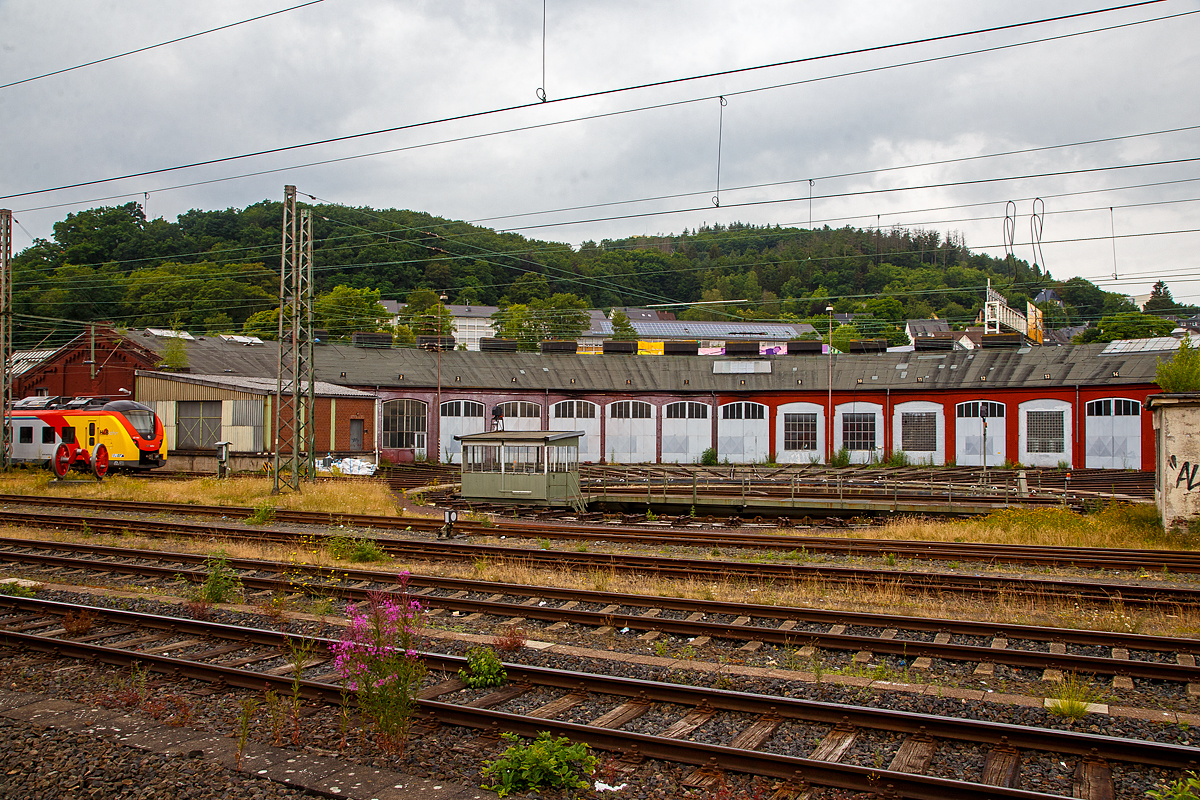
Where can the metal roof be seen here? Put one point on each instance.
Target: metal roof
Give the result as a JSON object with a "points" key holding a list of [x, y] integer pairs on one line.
{"points": [[21, 361], [263, 386], [346, 365], [1156, 345], [525, 372], [541, 437]]}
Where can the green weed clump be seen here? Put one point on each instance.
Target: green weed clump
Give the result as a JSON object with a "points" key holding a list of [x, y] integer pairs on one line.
{"points": [[841, 458], [484, 669], [222, 583], [545, 762], [15, 590], [263, 513], [1072, 697], [356, 549], [1186, 788]]}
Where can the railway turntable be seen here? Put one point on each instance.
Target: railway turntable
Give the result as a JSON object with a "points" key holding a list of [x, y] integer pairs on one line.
{"points": [[525, 467]]}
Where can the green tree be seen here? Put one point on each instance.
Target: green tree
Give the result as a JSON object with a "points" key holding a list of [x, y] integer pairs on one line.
{"points": [[843, 335], [1182, 372], [346, 310], [264, 324], [1130, 325], [174, 355], [425, 315], [622, 328], [563, 316], [1160, 298]]}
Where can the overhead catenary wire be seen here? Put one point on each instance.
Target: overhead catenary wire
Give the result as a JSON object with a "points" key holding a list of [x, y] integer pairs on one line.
{"points": [[648, 85], [176, 40]]}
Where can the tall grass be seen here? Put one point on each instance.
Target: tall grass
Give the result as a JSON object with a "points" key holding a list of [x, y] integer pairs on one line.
{"points": [[1119, 525], [342, 496]]}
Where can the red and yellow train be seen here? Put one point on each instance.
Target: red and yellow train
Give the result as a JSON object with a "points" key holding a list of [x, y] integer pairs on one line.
{"points": [[96, 435]]}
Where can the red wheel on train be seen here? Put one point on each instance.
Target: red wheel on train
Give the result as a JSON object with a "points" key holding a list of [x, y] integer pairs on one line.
{"points": [[61, 463], [99, 461]]}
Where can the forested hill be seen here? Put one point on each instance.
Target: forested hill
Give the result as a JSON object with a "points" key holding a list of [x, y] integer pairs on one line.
{"points": [[211, 270]]}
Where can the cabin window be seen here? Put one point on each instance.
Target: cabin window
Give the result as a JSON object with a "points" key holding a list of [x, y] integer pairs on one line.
{"points": [[68, 435], [47, 435], [26, 435]]}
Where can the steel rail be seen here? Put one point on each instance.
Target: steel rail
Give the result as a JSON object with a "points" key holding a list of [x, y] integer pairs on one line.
{"points": [[961, 729], [1182, 561], [786, 637], [984, 585]]}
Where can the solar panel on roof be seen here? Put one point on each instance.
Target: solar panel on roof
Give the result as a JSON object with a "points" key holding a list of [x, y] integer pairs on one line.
{"points": [[1160, 343]]}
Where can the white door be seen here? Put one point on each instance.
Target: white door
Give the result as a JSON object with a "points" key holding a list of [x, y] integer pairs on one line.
{"points": [[459, 417], [743, 433], [686, 432], [629, 437], [970, 443], [1113, 434], [579, 415]]}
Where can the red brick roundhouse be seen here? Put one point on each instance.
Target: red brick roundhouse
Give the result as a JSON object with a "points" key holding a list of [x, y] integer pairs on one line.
{"points": [[98, 362], [1038, 406]]}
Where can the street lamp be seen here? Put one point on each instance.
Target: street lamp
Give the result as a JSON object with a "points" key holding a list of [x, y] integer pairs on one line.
{"points": [[438, 327], [829, 410]]}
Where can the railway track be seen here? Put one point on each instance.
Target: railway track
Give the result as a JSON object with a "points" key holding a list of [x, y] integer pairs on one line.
{"points": [[761, 734], [904, 641], [1129, 594], [1175, 561]]}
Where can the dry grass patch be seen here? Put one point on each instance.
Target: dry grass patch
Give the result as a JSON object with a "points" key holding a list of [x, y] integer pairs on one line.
{"points": [[1120, 525], [333, 496]]}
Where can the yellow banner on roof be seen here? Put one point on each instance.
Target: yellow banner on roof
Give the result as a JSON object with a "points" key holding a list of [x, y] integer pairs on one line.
{"points": [[650, 348]]}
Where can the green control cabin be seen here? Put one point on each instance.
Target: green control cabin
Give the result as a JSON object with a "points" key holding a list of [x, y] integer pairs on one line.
{"points": [[522, 467]]}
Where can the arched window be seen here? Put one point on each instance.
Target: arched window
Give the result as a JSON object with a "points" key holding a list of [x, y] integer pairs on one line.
{"points": [[687, 410], [462, 408], [517, 408], [574, 409], [404, 424], [630, 409]]}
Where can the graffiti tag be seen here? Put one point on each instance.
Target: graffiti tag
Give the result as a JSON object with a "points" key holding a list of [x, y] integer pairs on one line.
{"points": [[1188, 472]]}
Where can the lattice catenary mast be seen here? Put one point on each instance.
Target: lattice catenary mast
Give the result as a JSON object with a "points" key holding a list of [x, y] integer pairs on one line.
{"points": [[6, 339], [295, 387]]}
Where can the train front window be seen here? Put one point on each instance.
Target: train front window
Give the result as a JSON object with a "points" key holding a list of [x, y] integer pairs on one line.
{"points": [[142, 421]]}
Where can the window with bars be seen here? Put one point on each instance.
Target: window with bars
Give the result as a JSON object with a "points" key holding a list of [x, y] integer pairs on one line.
{"points": [[799, 431], [575, 409], [629, 409], [858, 431], [687, 411], [462, 408], [198, 424], [744, 411], [918, 432], [521, 409], [980, 408], [404, 424], [1044, 431]]}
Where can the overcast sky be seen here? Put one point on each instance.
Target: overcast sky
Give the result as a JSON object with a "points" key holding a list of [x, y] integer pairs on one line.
{"points": [[343, 67]]}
